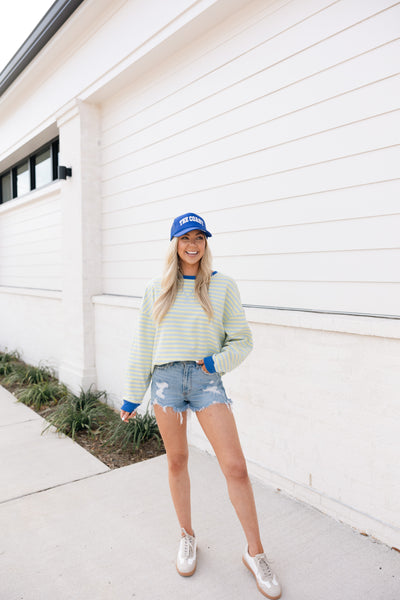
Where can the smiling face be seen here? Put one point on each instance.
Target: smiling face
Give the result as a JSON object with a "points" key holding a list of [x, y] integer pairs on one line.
{"points": [[191, 247]]}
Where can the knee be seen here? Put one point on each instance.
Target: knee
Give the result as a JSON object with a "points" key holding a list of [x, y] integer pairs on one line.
{"points": [[177, 463], [235, 469]]}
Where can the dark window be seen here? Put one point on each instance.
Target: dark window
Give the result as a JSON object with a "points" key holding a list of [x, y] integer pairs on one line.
{"points": [[5, 192], [37, 170]]}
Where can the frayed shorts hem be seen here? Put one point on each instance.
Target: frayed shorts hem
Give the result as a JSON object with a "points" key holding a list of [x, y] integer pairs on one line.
{"points": [[195, 409], [179, 411]]}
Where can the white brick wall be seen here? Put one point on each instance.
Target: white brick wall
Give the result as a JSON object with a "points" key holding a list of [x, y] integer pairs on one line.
{"points": [[30, 240], [318, 417], [31, 323]]}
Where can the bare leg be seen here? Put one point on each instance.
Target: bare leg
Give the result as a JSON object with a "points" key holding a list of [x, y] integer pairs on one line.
{"points": [[173, 433], [219, 425]]}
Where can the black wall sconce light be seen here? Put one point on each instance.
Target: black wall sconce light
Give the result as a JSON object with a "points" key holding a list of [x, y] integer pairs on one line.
{"points": [[64, 172]]}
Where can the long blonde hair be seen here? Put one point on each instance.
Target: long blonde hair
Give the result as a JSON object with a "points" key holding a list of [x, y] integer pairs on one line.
{"points": [[172, 280]]}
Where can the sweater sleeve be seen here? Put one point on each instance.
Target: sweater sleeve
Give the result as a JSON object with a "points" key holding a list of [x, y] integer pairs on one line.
{"points": [[238, 339], [141, 354]]}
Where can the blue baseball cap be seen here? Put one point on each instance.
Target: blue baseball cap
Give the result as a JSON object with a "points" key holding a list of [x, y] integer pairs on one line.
{"points": [[188, 222]]}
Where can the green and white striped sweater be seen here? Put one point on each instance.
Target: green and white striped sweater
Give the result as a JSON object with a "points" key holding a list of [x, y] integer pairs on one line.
{"points": [[186, 333]]}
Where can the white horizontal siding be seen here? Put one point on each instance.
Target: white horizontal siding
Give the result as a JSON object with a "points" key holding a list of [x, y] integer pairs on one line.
{"points": [[337, 204], [218, 166], [337, 235], [30, 244], [259, 59], [281, 127], [218, 141], [319, 296]]}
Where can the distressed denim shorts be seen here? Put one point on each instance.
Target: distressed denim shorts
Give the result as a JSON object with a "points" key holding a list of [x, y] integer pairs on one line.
{"points": [[183, 384]]}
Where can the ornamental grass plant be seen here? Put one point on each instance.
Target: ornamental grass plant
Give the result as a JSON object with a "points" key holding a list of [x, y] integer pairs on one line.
{"points": [[36, 387], [85, 412], [42, 394], [23, 374], [8, 362], [133, 433]]}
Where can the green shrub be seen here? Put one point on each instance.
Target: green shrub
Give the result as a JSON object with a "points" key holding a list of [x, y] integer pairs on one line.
{"points": [[8, 362], [133, 433], [80, 413], [9, 356], [41, 394], [6, 368], [27, 375]]}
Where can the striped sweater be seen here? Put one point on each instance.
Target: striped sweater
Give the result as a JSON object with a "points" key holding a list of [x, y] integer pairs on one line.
{"points": [[186, 333]]}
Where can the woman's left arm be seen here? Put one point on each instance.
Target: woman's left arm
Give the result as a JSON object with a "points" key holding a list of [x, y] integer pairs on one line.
{"points": [[238, 338]]}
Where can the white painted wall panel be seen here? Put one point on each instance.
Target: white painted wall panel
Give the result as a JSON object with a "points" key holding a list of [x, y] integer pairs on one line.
{"points": [[261, 123], [341, 235], [316, 411], [232, 38], [283, 130], [30, 242], [286, 52], [317, 295], [330, 266], [319, 421], [272, 80], [114, 327], [248, 156], [31, 322]]}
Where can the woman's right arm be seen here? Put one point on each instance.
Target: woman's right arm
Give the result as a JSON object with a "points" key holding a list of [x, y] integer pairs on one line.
{"points": [[140, 358]]}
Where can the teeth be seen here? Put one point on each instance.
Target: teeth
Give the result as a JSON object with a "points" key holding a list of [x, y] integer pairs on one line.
{"points": [[193, 253]]}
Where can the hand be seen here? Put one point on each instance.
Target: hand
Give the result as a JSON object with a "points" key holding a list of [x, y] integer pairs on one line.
{"points": [[202, 365], [126, 416]]}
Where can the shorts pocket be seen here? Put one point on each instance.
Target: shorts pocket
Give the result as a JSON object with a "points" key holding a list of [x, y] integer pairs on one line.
{"points": [[215, 374]]}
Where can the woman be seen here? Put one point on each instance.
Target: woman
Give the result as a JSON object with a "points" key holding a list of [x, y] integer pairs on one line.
{"points": [[191, 330]]}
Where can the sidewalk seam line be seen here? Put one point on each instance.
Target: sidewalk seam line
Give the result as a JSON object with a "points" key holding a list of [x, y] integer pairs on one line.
{"points": [[20, 422], [55, 486]]}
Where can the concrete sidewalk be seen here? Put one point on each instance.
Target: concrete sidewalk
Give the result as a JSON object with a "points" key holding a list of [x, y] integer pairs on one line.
{"points": [[73, 529]]}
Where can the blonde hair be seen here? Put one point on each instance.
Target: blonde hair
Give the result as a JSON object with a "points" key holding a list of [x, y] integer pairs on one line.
{"points": [[172, 280]]}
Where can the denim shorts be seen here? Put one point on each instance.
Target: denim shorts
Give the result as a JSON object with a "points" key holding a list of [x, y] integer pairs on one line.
{"points": [[183, 384]]}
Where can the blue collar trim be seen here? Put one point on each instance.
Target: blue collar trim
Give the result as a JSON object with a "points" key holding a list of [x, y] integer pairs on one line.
{"points": [[194, 276]]}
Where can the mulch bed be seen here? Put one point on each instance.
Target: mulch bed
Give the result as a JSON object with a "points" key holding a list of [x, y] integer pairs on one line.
{"points": [[117, 457], [111, 456]]}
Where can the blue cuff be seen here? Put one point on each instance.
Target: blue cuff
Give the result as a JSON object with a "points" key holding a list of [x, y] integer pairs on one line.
{"points": [[129, 406], [209, 364]]}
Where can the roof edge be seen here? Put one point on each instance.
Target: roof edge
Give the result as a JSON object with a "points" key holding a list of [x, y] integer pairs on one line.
{"points": [[52, 21]]}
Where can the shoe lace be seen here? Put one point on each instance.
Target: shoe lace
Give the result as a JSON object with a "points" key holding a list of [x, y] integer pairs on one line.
{"points": [[264, 567], [188, 545]]}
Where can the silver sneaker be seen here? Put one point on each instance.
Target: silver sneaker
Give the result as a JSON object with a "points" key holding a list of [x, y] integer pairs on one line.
{"points": [[186, 559], [267, 581]]}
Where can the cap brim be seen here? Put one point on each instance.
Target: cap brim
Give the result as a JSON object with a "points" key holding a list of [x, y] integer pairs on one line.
{"points": [[193, 228]]}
